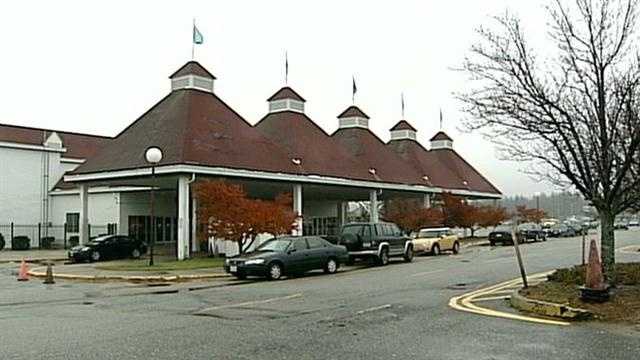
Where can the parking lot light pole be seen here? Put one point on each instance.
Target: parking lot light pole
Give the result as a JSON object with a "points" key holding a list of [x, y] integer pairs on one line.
{"points": [[153, 155]]}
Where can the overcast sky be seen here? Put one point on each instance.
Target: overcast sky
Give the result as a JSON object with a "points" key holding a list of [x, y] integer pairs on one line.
{"points": [[87, 67]]}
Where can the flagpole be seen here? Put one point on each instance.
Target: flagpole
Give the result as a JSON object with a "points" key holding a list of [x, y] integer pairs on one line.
{"points": [[193, 43]]}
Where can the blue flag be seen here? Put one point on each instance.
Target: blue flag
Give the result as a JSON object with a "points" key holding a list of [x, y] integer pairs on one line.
{"points": [[197, 36]]}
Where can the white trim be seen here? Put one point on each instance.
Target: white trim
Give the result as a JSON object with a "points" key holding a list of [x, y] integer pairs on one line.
{"points": [[72, 161], [101, 190], [13, 145], [286, 105], [441, 144], [254, 174], [353, 122], [403, 134], [191, 83]]}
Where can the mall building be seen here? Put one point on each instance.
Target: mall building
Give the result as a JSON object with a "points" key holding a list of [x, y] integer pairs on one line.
{"points": [[75, 184]]}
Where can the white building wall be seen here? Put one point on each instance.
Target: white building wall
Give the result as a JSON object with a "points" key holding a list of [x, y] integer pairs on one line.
{"points": [[104, 208], [21, 184], [137, 204]]}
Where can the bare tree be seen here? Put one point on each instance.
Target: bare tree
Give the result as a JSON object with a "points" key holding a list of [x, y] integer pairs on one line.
{"points": [[572, 110]]}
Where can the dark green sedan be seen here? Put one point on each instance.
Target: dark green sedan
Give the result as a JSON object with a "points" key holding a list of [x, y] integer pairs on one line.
{"points": [[288, 255]]}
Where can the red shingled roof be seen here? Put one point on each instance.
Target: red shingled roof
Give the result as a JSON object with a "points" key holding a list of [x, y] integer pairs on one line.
{"points": [[79, 146], [372, 152], [303, 139], [440, 135], [403, 125], [353, 111], [191, 127], [444, 167], [192, 68], [286, 93]]}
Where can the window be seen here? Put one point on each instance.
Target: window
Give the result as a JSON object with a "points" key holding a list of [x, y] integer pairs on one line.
{"points": [[366, 233], [388, 230], [315, 243], [379, 230], [73, 222], [353, 229], [299, 244]]}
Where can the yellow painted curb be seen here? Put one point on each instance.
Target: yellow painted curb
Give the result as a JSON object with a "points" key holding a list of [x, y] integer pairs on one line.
{"points": [[132, 278]]}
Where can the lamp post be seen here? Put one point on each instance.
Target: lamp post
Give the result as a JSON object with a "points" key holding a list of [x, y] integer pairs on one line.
{"points": [[153, 155]]}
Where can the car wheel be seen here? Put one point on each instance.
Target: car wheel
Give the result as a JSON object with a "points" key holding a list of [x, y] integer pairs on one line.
{"points": [[331, 266], [408, 255], [383, 259], [435, 250], [456, 247], [275, 271], [135, 254], [240, 276], [95, 256]]}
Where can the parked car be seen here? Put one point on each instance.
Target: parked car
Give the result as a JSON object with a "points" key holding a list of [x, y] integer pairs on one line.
{"points": [[634, 224], [108, 247], [378, 241], [501, 235], [288, 255], [561, 230], [620, 226], [531, 232], [435, 240]]}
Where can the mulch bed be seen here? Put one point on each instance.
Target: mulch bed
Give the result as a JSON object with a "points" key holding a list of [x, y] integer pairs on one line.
{"points": [[562, 287]]}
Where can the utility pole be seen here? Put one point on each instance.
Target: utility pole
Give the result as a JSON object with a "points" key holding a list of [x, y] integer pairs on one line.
{"points": [[514, 236]]}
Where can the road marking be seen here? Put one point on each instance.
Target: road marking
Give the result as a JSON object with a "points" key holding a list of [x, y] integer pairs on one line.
{"points": [[427, 272], [498, 260], [248, 303], [375, 308], [465, 302]]}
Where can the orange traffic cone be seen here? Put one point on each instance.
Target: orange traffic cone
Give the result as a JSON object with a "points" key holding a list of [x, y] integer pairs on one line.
{"points": [[23, 273]]}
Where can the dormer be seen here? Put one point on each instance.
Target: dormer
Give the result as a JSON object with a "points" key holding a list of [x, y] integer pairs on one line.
{"points": [[403, 131], [53, 141], [192, 75], [353, 117], [286, 99], [441, 141]]}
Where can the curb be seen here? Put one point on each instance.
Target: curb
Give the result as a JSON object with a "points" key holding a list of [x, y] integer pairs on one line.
{"points": [[547, 308], [137, 278], [32, 261]]}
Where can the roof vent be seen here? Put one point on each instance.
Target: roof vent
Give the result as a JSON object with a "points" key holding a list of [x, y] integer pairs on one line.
{"points": [[372, 171], [403, 131], [296, 161], [353, 117], [441, 141], [192, 75], [286, 99]]}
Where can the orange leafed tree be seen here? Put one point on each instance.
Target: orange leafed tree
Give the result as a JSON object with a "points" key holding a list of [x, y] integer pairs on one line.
{"points": [[226, 212], [411, 215], [459, 213], [529, 215]]}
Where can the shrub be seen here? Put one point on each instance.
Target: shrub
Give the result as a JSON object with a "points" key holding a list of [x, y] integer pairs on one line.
{"points": [[20, 243], [47, 242], [568, 276], [74, 240], [1, 242]]}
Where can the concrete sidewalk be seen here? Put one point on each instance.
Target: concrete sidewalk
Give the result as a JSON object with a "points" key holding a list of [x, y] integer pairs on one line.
{"points": [[89, 272], [32, 255]]}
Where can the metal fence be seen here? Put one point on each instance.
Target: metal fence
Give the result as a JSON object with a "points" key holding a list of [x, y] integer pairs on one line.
{"points": [[56, 236]]}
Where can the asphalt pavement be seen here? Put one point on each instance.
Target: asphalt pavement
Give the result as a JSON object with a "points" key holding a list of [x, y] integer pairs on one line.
{"points": [[396, 312]]}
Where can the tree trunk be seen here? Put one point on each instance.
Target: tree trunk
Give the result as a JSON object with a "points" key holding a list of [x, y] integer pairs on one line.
{"points": [[473, 231], [607, 244]]}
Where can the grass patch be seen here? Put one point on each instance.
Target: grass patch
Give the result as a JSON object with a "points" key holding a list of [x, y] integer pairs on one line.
{"points": [[162, 265], [563, 288]]}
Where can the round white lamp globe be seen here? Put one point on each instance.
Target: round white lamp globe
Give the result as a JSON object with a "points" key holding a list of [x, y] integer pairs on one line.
{"points": [[153, 155]]}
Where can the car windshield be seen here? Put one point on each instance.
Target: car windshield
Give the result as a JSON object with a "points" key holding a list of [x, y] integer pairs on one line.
{"points": [[277, 245], [100, 239]]}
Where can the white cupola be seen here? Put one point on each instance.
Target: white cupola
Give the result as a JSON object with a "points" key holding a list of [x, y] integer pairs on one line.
{"points": [[192, 75]]}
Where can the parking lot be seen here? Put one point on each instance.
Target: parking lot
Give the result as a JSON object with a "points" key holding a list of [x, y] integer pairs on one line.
{"points": [[352, 314]]}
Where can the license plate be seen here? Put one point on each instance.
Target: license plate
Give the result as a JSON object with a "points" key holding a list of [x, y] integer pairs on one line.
{"points": [[233, 268], [367, 244], [498, 235]]}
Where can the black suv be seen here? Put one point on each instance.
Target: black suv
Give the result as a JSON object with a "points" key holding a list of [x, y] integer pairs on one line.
{"points": [[379, 241]]}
